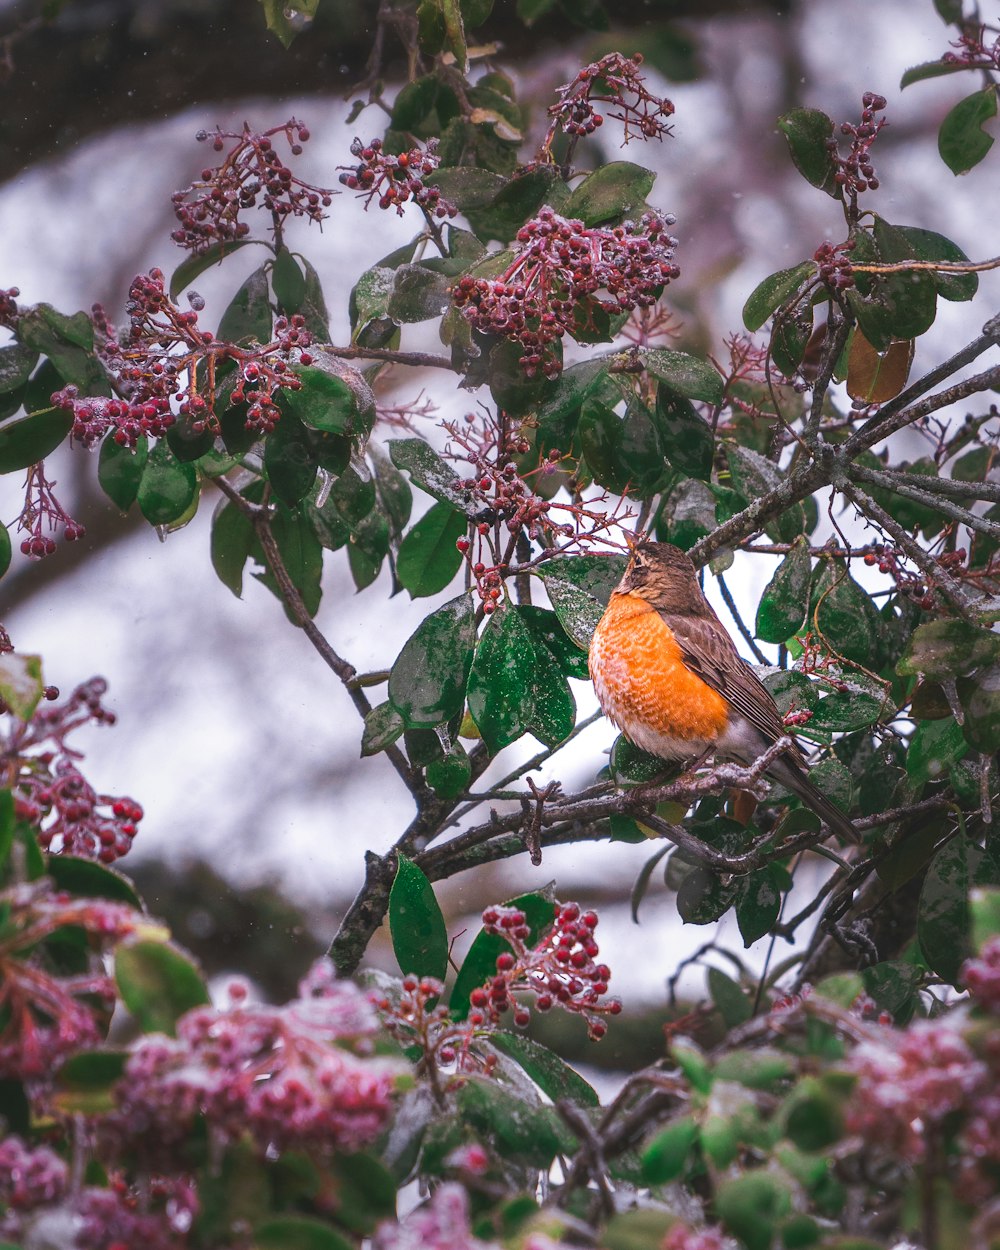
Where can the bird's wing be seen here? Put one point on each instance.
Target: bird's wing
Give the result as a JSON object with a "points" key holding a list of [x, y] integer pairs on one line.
{"points": [[709, 651]]}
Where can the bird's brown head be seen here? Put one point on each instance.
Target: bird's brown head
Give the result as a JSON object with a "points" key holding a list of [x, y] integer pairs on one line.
{"points": [[664, 575]]}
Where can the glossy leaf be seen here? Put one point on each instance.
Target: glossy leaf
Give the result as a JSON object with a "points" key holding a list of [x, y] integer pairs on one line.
{"points": [[876, 377], [751, 1206], [775, 292], [16, 364], [231, 544], [419, 933], [612, 192], [928, 245], [753, 476], [553, 1076], [480, 964], [501, 696], [21, 684], [194, 266], [68, 343], [158, 984], [248, 316], [579, 588], [417, 294], [806, 131], [427, 682], [683, 374], [26, 441], [6, 551], [167, 487], [288, 282], [689, 512], [383, 725], [85, 1083], [85, 878], [547, 631], [301, 554], [785, 602], [759, 904], [935, 747], [845, 614], [732, 1003], [431, 473], [449, 776], [338, 402], [685, 437], [666, 1156], [962, 142], [297, 1232], [289, 461], [947, 648], [980, 699], [428, 558], [516, 1128], [943, 916]]}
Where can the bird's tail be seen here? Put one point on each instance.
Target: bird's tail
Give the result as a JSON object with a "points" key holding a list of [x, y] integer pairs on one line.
{"points": [[795, 779]]}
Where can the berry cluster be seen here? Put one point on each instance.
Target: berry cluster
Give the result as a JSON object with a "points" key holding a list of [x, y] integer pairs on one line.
{"points": [[30, 1177], [889, 560], [297, 1075], [681, 1236], [209, 210], [498, 497], [47, 1014], [615, 81], [974, 52], [166, 362], [981, 976], [561, 272], [559, 970], [418, 1018], [8, 306], [835, 268], [442, 1223], [396, 179], [855, 172], [43, 512], [50, 792]]}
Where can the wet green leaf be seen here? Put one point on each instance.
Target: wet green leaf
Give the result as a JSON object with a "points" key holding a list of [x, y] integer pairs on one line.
{"points": [[752, 1205], [167, 488], [194, 266], [431, 473], [553, 1076], [289, 460], [449, 776], [732, 1003], [248, 317], [753, 476], [666, 1156], [158, 984], [784, 604], [980, 699], [16, 364], [943, 915], [428, 558], [774, 292], [26, 441], [947, 648], [418, 294], [231, 544], [759, 903], [612, 192], [419, 933], [579, 588], [806, 132], [327, 402], [935, 747], [547, 632], [683, 374], [480, 964], [962, 142], [685, 437], [845, 614], [427, 682], [383, 725], [501, 695], [301, 554], [288, 282]]}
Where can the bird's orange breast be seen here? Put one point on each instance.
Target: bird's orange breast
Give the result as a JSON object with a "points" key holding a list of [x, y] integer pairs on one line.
{"points": [[644, 686]]}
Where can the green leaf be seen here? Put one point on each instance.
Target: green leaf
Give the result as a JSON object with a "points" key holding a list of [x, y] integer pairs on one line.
{"points": [[288, 282], [730, 1000], [948, 648], [553, 1076], [516, 1129], [393, 491], [297, 1232], [419, 933], [120, 470], [30, 439], [480, 964], [935, 747], [784, 604], [928, 245], [194, 266], [759, 903], [943, 914], [6, 829], [775, 292], [756, 1069], [383, 725], [846, 615], [962, 142], [579, 588], [806, 132], [314, 306], [289, 461], [465, 186], [666, 1156], [302, 555], [930, 69], [519, 199], [751, 1207], [449, 776], [158, 984], [703, 896], [980, 698], [281, 21], [6, 551], [84, 1084], [68, 342], [754, 475], [501, 696], [428, 558], [336, 403], [418, 294], [683, 374], [16, 364], [612, 192], [547, 632], [248, 316], [85, 878], [427, 682], [685, 437], [168, 486], [689, 512], [431, 473], [21, 683], [690, 1058], [231, 544]]}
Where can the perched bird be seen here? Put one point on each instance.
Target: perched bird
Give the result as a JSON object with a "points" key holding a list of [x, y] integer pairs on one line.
{"points": [[668, 674]]}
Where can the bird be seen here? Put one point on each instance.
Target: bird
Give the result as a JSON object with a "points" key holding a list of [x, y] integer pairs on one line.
{"points": [[667, 673]]}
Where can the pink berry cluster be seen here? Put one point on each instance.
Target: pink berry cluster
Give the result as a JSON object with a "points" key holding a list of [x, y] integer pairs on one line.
{"points": [[43, 515], [855, 172], [974, 52], [8, 306], [559, 266], [46, 1014], [394, 180], [30, 1177], [681, 1236], [981, 976], [558, 970], [441, 1223], [614, 81], [51, 794], [417, 1017], [834, 264], [914, 586], [252, 173], [295, 1076]]}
